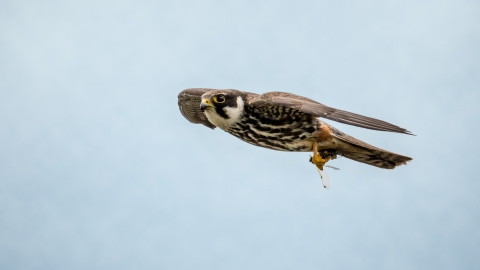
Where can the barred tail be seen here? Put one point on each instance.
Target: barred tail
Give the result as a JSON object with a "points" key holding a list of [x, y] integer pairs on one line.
{"points": [[357, 150]]}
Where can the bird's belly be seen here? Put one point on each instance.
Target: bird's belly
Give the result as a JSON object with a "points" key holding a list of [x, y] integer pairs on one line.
{"points": [[300, 146], [292, 140]]}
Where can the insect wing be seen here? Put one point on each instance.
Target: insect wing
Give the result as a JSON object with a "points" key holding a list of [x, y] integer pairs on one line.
{"points": [[325, 180]]}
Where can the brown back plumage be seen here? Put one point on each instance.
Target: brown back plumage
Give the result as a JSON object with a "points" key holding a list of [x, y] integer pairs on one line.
{"points": [[317, 109]]}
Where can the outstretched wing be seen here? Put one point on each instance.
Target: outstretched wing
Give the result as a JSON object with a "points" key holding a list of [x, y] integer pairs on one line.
{"points": [[312, 107], [189, 104]]}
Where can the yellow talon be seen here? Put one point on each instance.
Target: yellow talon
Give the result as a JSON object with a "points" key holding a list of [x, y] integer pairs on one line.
{"points": [[317, 158]]}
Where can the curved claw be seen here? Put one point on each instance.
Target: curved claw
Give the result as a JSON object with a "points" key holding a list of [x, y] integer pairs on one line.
{"points": [[317, 159], [320, 162]]}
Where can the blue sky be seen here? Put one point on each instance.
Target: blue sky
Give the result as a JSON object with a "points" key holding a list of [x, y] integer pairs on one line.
{"points": [[99, 170]]}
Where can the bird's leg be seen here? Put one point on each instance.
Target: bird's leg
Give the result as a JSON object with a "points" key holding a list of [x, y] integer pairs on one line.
{"points": [[318, 159]]}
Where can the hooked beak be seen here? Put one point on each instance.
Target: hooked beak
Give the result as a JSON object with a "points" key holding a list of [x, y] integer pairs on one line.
{"points": [[205, 104]]}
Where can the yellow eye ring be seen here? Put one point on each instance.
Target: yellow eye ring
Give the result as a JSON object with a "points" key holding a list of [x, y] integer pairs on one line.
{"points": [[219, 99]]}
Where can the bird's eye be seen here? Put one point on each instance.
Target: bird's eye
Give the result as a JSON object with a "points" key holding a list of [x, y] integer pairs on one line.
{"points": [[219, 98]]}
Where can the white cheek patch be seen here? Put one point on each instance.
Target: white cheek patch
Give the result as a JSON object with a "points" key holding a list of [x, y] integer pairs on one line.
{"points": [[234, 115]]}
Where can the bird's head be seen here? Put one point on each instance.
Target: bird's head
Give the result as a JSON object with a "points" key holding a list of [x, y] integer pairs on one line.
{"points": [[223, 107]]}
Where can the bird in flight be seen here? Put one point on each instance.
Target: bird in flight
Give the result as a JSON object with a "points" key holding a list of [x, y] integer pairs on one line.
{"points": [[288, 122]]}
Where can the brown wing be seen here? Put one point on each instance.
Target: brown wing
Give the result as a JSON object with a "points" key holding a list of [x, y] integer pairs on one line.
{"points": [[312, 107], [189, 104]]}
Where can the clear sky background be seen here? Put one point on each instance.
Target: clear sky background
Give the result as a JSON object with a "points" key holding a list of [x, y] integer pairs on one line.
{"points": [[99, 170]]}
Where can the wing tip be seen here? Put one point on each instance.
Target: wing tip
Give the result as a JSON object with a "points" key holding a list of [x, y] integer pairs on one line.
{"points": [[404, 131]]}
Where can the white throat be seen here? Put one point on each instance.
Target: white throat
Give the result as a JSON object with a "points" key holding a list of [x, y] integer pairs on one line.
{"points": [[234, 115]]}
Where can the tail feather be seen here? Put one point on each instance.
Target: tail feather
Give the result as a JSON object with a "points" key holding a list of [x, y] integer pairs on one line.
{"points": [[360, 151]]}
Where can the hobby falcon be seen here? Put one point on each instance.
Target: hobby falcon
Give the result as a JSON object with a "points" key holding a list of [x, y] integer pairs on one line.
{"points": [[287, 122]]}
